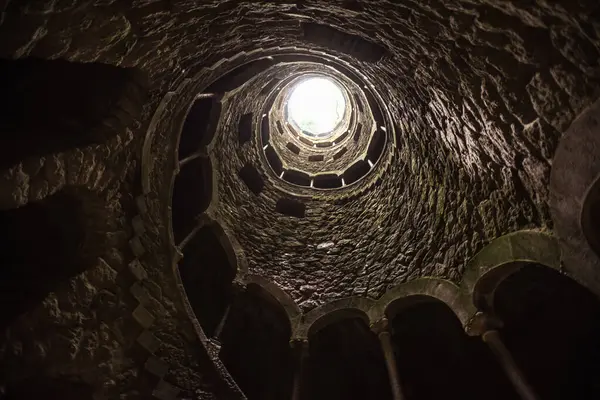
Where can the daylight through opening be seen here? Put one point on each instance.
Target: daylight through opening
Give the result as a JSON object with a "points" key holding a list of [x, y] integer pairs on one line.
{"points": [[316, 106]]}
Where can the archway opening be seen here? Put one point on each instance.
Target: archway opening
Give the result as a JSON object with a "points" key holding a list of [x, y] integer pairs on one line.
{"points": [[346, 362], [436, 359], [551, 327], [207, 275], [264, 345], [192, 193]]}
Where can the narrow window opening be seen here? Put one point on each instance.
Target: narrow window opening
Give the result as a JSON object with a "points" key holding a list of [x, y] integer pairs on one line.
{"points": [[292, 208], [192, 193], [297, 178], [199, 126], [245, 128], [293, 148], [327, 181], [251, 177], [274, 160], [340, 153], [356, 171]]}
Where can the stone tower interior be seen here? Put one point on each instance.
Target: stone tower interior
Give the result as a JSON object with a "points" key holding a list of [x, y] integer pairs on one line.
{"points": [[300, 200]]}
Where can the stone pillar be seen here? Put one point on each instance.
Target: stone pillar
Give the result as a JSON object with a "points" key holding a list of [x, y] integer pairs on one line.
{"points": [[221, 325], [300, 348], [487, 326], [237, 288], [382, 329]]}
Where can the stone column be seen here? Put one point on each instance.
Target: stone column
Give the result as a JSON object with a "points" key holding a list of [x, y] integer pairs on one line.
{"points": [[487, 326], [382, 329], [237, 288], [300, 348]]}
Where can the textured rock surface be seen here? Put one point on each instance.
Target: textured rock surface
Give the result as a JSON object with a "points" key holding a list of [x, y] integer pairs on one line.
{"points": [[480, 92]]}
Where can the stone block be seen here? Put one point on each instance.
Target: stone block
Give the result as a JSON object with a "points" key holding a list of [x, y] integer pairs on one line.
{"points": [[148, 341], [156, 367], [138, 225], [165, 391], [140, 201], [136, 246], [138, 270], [143, 316], [140, 293]]}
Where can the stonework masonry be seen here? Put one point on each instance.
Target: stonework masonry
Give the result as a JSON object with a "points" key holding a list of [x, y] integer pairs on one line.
{"points": [[480, 93]]}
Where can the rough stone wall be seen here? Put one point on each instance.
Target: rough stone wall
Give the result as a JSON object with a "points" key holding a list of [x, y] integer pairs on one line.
{"points": [[279, 139], [479, 112], [480, 90]]}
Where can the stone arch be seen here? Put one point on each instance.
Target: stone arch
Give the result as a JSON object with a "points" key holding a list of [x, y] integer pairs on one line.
{"points": [[206, 268], [320, 317], [235, 252], [575, 168], [505, 255], [281, 297], [191, 195], [423, 289], [50, 106], [265, 343], [198, 126], [46, 243]]}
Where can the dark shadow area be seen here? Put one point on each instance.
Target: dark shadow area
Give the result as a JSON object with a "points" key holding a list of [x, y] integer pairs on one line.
{"points": [[192, 193], [340, 153], [251, 177], [437, 360], [590, 217], [316, 157], [245, 128], [256, 349], [293, 148], [376, 146], [346, 363], [207, 274], [551, 327], [322, 145], [353, 45], [292, 208], [46, 243], [274, 160], [49, 106], [199, 126], [358, 132], [48, 388], [356, 171], [297, 177], [327, 181], [265, 130]]}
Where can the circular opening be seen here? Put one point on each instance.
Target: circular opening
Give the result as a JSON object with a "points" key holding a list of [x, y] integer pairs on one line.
{"points": [[316, 106]]}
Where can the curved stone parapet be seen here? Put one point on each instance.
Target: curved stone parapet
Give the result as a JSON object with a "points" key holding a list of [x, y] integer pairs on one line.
{"points": [[575, 169]]}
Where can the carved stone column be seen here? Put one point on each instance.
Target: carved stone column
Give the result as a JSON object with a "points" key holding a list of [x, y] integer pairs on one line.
{"points": [[487, 326], [382, 329], [300, 348], [237, 288]]}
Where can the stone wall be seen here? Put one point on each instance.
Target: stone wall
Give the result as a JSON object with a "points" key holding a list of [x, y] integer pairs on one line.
{"points": [[480, 92]]}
